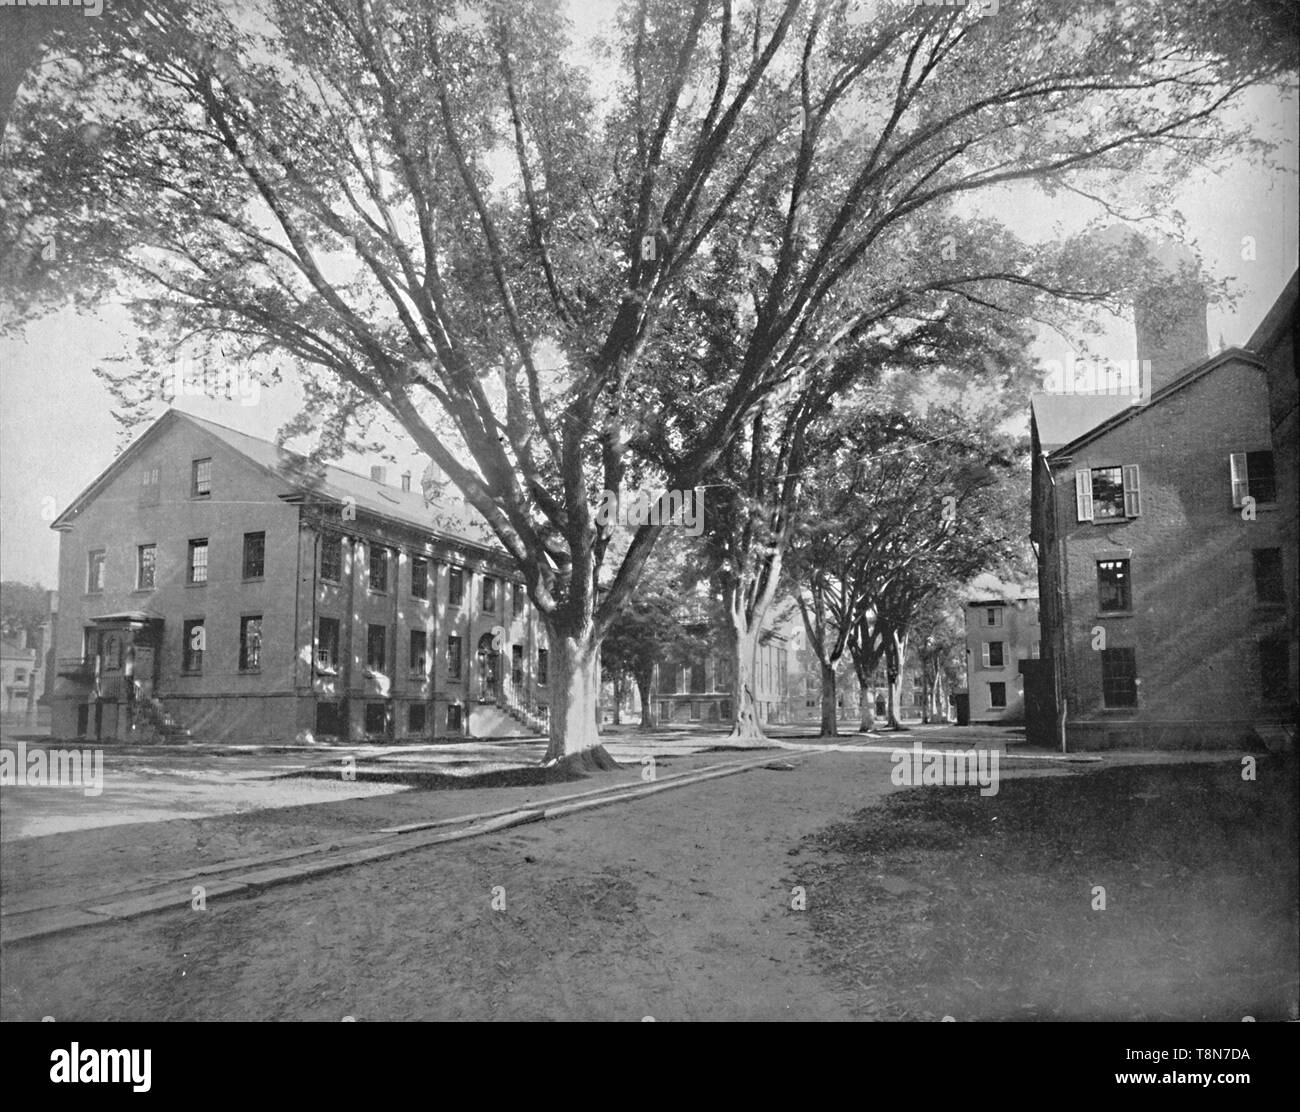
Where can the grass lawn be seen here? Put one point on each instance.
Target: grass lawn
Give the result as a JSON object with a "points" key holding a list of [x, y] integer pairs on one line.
{"points": [[940, 902]]}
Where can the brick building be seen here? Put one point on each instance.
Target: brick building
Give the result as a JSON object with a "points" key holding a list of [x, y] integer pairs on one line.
{"points": [[1161, 532], [1000, 633], [1274, 342], [210, 583]]}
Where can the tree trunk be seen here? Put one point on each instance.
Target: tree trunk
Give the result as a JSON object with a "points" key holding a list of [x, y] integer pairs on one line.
{"points": [[746, 726], [894, 656], [926, 701], [648, 719], [830, 726], [575, 703], [866, 707]]}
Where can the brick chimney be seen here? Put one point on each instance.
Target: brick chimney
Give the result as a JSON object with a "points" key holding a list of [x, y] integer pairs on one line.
{"points": [[406, 481], [1169, 316], [378, 474]]}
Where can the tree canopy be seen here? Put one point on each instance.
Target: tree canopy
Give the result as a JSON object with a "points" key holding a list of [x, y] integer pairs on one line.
{"points": [[451, 216]]}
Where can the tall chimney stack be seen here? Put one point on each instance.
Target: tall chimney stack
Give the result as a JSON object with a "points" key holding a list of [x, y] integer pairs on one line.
{"points": [[406, 481], [378, 474], [1169, 316]]}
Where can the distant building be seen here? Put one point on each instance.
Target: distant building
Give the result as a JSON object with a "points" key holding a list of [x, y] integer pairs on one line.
{"points": [[701, 689], [1000, 633], [209, 583], [1165, 537], [19, 677]]}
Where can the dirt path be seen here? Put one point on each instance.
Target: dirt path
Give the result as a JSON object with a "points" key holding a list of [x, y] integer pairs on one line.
{"points": [[677, 907]]}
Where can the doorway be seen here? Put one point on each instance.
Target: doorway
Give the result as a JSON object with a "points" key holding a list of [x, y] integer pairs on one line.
{"points": [[489, 670]]}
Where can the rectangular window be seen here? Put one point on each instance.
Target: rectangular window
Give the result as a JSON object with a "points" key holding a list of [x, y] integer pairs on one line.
{"points": [[1119, 677], [1269, 584], [1252, 474], [1274, 664], [419, 577], [454, 658], [327, 646], [376, 719], [150, 486], [1037, 651], [993, 615], [95, 572], [146, 566], [517, 598], [453, 718], [331, 557], [419, 659], [1260, 476], [254, 555], [330, 719], [198, 564], [415, 718], [997, 694], [201, 478], [543, 666], [1114, 585], [378, 568], [250, 643], [377, 648], [193, 643], [1107, 492], [455, 586], [489, 594], [995, 654], [517, 666], [695, 711]]}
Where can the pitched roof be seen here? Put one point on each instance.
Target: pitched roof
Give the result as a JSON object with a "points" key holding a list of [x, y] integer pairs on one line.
{"points": [[1062, 418], [1127, 412], [12, 648], [449, 520], [1277, 319]]}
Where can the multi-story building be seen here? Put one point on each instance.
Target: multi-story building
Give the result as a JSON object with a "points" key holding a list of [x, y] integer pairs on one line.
{"points": [[210, 581], [1274, 342], [19, 677], [1161, 531], [1000, 633], [699, 687]]}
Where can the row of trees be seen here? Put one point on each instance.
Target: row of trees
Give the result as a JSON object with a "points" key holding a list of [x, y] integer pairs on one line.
{"points": [[901, 510], [564, 268], [897, 512]]}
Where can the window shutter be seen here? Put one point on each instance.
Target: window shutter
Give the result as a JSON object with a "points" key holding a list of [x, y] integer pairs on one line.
{"points": [[1132, 491], [984, 653], [1240, 487], [1083, 494]]}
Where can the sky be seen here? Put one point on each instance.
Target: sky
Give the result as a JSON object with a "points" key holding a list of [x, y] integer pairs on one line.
{"points": [[57, 432]]}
